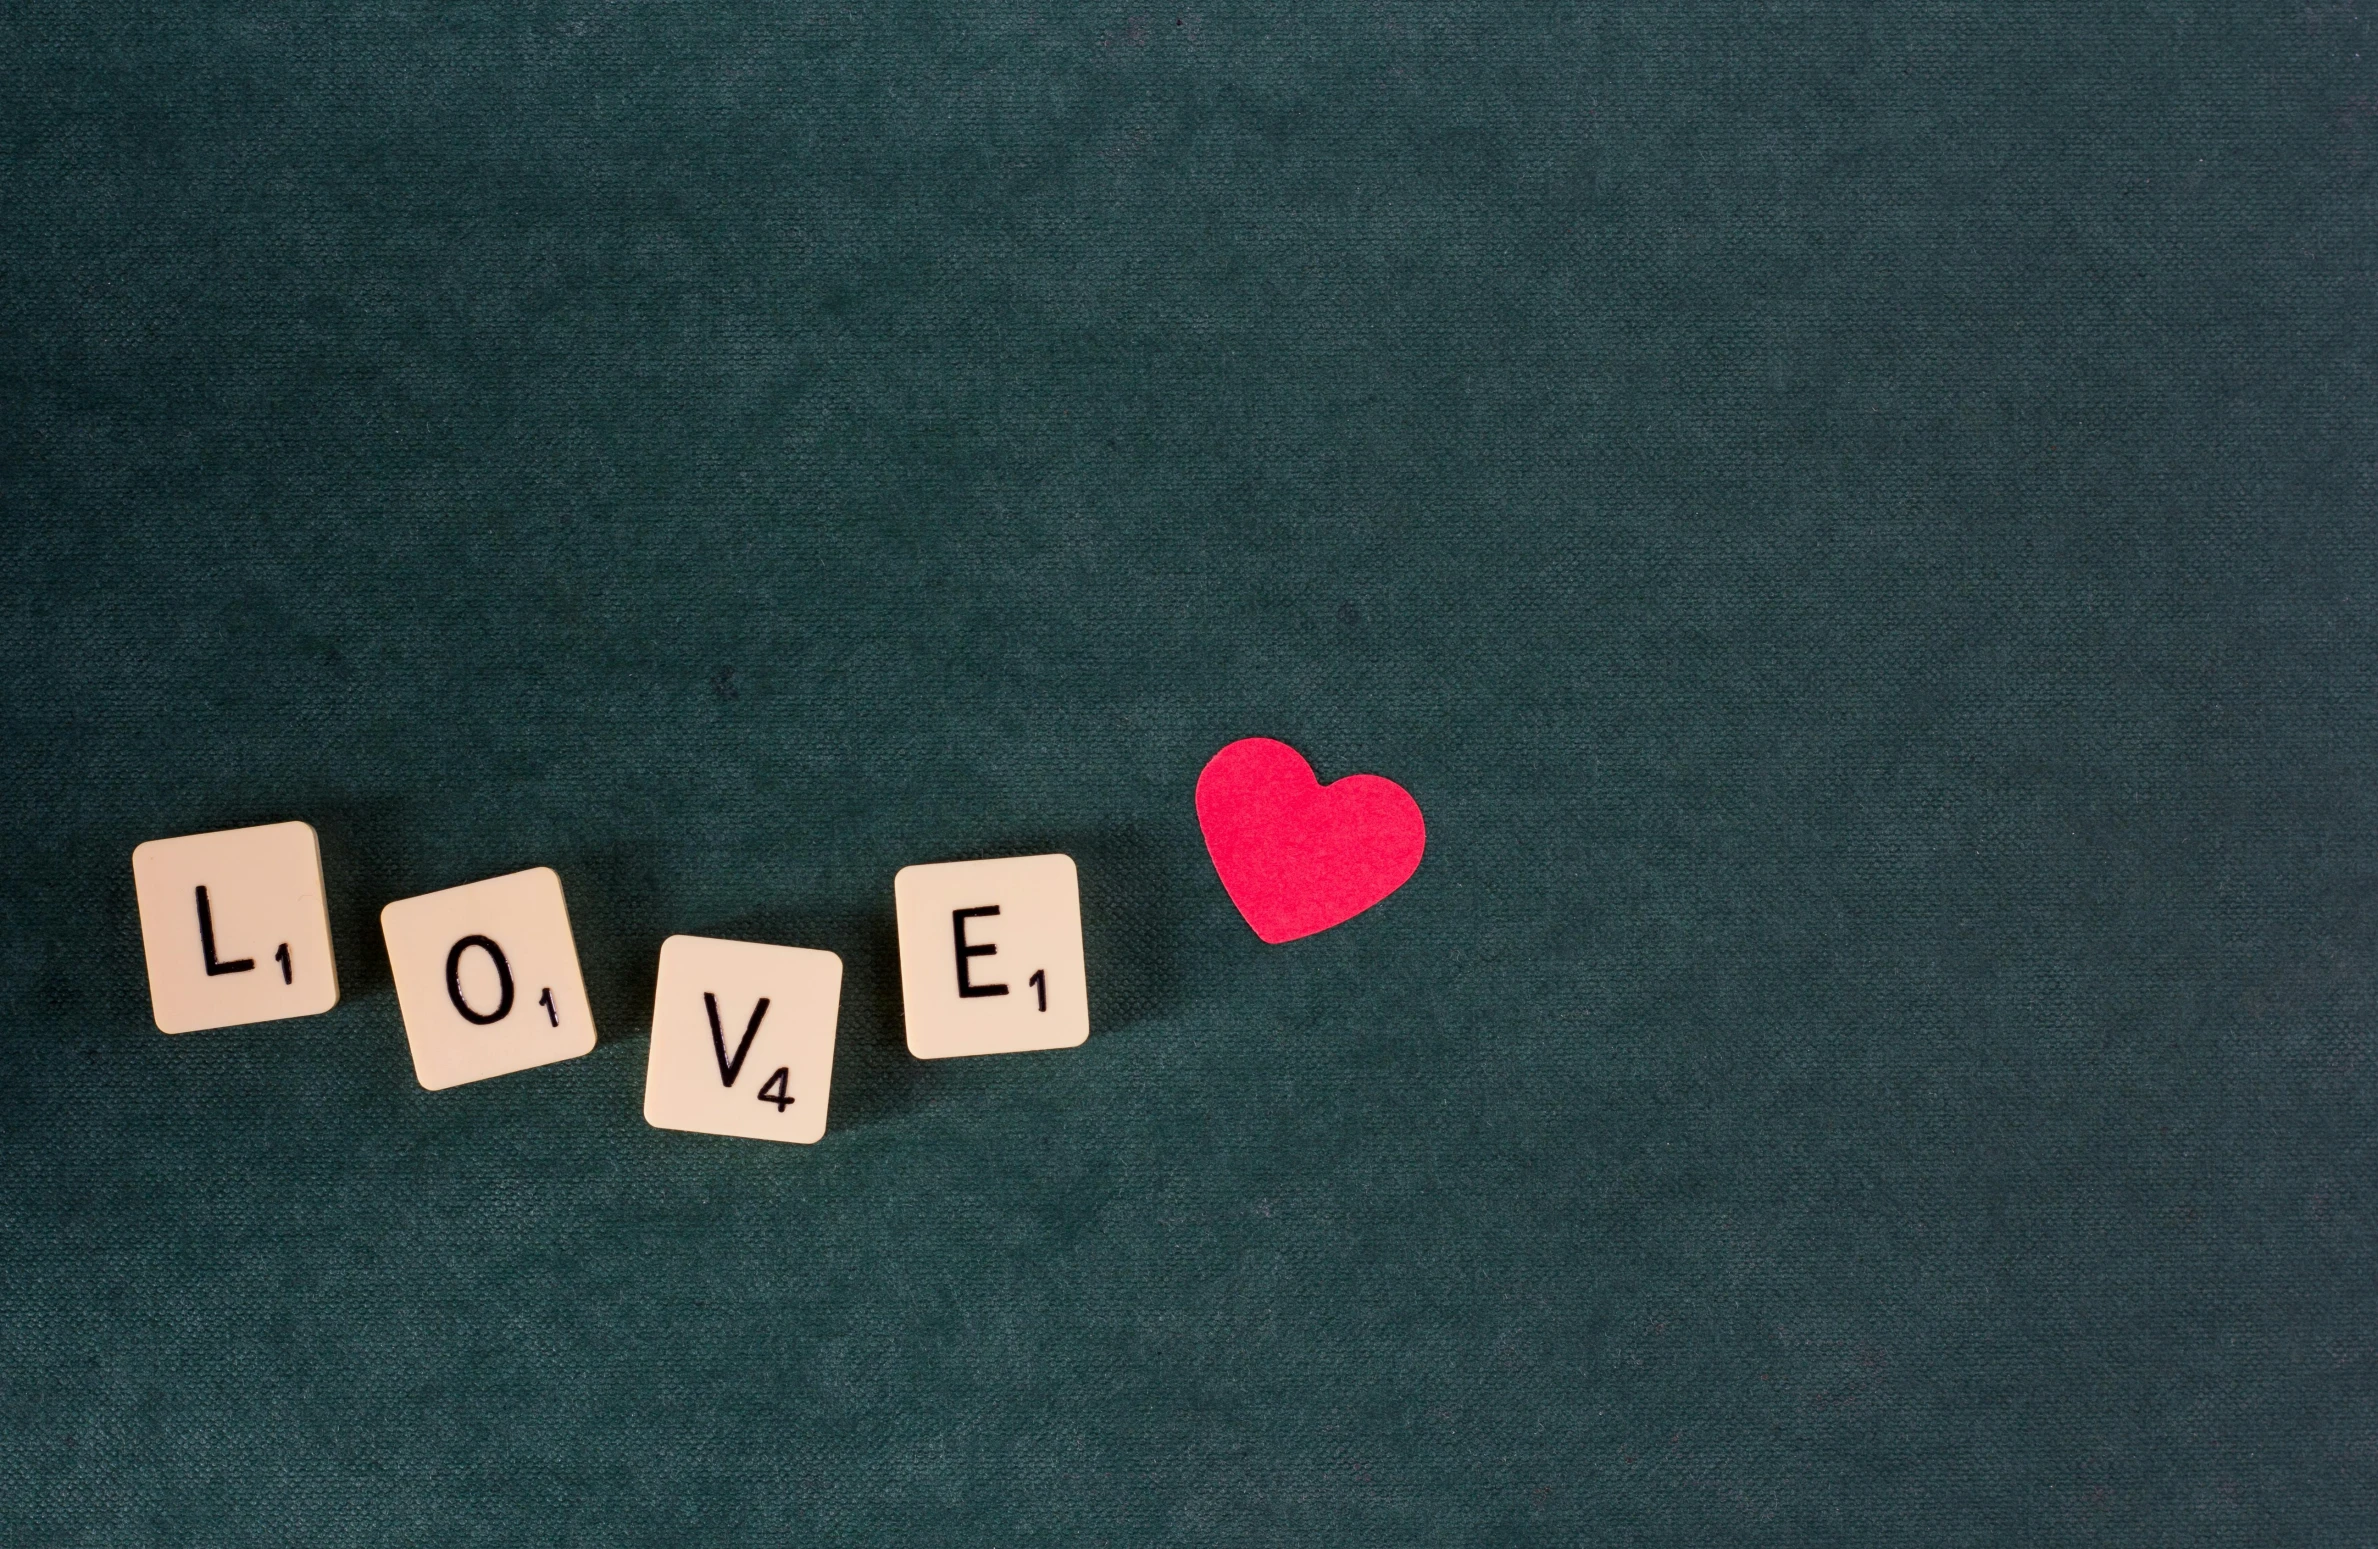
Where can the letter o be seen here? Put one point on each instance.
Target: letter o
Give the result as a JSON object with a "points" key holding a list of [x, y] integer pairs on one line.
{"points": [[503, 976]]}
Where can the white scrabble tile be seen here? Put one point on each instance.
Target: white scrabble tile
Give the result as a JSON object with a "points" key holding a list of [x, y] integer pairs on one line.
{"points": [[235, 927], [991, 956], [487, 978], [742, 1039]]}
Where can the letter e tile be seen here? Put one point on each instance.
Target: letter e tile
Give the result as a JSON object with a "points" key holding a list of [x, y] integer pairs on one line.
{"points": [[991, 956]]}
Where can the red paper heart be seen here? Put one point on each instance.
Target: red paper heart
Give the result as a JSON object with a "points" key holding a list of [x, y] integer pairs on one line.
{"points": [[1298, 856]]}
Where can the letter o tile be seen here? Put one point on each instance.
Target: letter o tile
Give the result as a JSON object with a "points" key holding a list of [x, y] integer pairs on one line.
{"points": [[487, 978]]}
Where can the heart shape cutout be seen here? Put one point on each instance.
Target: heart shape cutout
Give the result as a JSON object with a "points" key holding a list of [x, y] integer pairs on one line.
{"points": [[1298, 856]]}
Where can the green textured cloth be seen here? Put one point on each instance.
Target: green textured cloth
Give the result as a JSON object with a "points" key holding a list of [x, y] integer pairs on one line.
{"points": [[1855, 522]]}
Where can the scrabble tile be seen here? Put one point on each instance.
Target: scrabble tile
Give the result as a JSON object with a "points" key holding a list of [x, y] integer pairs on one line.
{"points": [[991, 956], [235, 927], [742, 1039], [487, 978]]}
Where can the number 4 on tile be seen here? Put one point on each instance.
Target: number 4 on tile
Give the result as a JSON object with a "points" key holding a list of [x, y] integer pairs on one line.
{"points": [[694, 1080]]}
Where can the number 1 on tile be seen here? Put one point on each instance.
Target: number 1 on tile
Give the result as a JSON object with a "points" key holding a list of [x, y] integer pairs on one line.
{"points": [[253, 885], [1017, 909]]}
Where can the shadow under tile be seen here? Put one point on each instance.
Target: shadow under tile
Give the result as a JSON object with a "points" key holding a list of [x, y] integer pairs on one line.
{"points": [[1131, 913], [874, 1074]]}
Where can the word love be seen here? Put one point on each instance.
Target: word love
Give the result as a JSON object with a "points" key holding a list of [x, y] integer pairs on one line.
{"points": [[236, 930]]}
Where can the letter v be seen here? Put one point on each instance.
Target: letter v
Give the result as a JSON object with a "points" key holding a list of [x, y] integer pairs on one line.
{"points": [[728, 1069]]}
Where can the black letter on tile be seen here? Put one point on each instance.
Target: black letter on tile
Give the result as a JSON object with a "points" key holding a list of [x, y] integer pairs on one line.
{"points": [[206, 943], [966, 989], [503, 976], [728, 1069]]}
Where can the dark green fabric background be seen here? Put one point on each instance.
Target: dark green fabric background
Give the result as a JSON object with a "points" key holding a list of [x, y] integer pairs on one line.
{"points": [[1853, 521]]}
